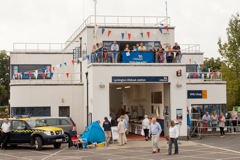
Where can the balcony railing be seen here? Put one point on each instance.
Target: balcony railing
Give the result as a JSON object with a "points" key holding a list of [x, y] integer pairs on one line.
{"points": [[40, 47], [204, 76], [190, 48], [119, 21], [57, 78]]}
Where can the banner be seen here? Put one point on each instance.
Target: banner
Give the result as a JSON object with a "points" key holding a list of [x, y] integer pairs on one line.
{"points": [[137, 57]]}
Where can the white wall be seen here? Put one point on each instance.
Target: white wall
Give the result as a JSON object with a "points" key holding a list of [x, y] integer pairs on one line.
{"points": [[216, 93], [100, 96], [53, 96]]}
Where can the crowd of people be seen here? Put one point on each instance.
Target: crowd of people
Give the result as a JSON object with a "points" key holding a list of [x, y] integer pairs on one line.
{"points": [[150, 127], [101, 54], [229, 120]]}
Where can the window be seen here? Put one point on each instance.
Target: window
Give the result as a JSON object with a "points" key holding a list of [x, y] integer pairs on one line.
{"points": [[64, 111], [25, 68], [18, 125], [32, 111], [156, 97], [191, 68], [51, 122], [64, 122]]}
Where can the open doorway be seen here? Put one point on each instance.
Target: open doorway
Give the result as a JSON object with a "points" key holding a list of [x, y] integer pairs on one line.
{"points": [[139, 99]]}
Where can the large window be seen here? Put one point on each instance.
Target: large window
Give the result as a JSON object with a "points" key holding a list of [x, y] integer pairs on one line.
{"points": [[25, 68], [198, 110], [191, 68], [32, 111]]}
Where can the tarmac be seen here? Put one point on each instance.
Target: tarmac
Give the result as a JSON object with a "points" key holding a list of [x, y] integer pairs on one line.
{"points": [[207, 148]]}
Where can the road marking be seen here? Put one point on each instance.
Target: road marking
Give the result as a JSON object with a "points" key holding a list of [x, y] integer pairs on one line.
{"points": [[54, 154], [229, 150], [14, 156]]}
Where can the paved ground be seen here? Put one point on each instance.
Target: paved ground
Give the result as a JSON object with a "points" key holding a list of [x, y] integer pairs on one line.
{"points": [[209, 148]]}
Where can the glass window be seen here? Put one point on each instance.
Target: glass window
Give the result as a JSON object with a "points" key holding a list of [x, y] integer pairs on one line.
{"points": [[191, 68], [64, 122], [51, 122], [18, 125], [32, 111], [64, 111]]}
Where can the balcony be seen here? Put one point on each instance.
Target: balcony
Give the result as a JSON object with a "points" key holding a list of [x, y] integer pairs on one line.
{"points": [[204, 76]]}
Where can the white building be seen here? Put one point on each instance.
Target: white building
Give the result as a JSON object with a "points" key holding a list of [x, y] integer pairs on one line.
{"points": [[162, 90]]}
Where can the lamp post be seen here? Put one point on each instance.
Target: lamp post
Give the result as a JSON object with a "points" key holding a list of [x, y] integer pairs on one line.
{"points": [[87, 95]]}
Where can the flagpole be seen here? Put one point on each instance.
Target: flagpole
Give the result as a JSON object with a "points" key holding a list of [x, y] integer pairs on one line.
{"points": [[166, 14], [95, 21]]}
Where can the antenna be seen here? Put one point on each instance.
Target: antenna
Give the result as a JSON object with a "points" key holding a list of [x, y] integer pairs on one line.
{"points": [[166, 14]]}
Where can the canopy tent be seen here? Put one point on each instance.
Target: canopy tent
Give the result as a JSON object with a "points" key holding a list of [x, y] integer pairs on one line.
{"points": [[94, 133]]}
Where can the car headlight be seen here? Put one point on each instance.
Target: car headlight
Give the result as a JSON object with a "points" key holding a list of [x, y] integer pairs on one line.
{"points": [[48, 133]]}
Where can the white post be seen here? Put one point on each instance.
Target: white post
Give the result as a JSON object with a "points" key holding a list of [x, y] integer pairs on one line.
{"points": [[95, 21], [166, 14]]}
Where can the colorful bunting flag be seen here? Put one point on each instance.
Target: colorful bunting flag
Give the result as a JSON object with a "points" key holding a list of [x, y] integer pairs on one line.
{"points": [[36, 74], [109, 32], [60, 65], [51, 74], [88, 56], [166, 27], [65, 63], [67, 74], [148, 34], [142, 34], [129, 36], [103, 30], [122, 35], [73, 62]]}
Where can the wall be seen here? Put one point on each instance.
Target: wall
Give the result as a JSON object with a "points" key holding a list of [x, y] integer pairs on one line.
{"points": [[51, 95], [100, 96]]}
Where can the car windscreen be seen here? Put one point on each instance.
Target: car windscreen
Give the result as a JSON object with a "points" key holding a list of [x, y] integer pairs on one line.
{"points": [[36, 123]]}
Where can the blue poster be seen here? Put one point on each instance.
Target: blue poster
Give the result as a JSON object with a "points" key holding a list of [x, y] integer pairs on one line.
{"points": [[137, 57]]}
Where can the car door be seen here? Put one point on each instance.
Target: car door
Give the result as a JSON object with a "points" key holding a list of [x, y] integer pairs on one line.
{"points": [[20, 132]]}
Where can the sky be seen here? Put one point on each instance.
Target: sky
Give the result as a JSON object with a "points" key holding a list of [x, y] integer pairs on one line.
{"points": [[53, 21]]}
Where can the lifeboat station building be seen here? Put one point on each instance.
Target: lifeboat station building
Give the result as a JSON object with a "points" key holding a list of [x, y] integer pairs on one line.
{"points": [[76, 80]]}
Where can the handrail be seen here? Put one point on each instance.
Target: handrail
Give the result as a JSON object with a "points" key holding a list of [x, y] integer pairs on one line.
{"points": [[190, 48], [205, 76], [39, 47], [118, 21]]}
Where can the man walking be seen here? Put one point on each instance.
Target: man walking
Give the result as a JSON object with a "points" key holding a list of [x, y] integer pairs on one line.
{"points": [[121, 131], [5, 133], [155, 130], [107, 129]]}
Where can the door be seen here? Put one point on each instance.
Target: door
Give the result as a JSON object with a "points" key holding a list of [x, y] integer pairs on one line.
{"points": [[19, 132]]}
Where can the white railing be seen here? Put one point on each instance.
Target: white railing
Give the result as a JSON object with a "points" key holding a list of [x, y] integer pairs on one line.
{"points": [[204, 76], [190, 48], [119, 21], [57, 78], [39, 47]]}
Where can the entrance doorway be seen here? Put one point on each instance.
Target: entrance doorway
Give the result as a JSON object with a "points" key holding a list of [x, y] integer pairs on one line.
{"points": [[140, 99]]}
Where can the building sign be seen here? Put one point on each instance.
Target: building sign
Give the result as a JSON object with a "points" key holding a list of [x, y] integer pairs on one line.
{"points": [[196, 94], [140, 79], [137, 57]]}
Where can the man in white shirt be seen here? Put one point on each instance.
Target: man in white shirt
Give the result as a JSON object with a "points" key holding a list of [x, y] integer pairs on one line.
{"points": [[146, 126], [5, 133], [115, 52]]}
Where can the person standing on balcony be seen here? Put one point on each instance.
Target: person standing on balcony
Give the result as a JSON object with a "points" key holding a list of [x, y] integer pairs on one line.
{"points": [[160, 54], [99, 52], [115, 51], [105, 54], [154, 53], [93, 54], [127, 48], [177, 49], [169, 54], [137, 46], [142, 48]]}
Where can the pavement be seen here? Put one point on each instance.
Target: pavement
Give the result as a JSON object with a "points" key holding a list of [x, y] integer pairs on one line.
{"points": [[208, 148]]}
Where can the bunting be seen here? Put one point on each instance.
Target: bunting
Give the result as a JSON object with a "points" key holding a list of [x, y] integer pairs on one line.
{"points": [[109, 32], [122, 35], [65, 63], [166, 27], [148, 34], [129, 36], [160, 29], [67, 74], [73, 62], [142, 34], [103, 30]]}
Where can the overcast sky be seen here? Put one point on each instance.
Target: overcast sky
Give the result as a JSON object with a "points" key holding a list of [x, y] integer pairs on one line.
{"points": [[53, 21]]}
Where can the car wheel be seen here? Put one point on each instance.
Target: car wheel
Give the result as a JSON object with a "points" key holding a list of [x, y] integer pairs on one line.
{"points": [[67, 137], [38, 143], [57, 145]]}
